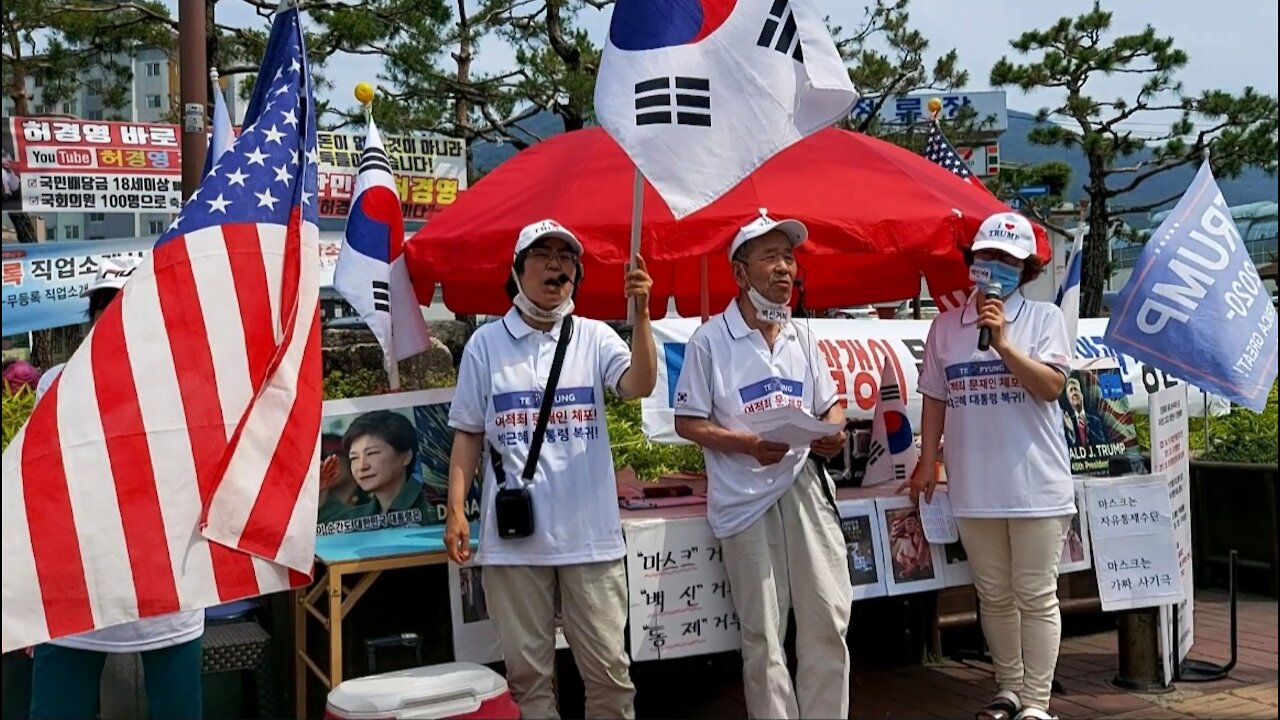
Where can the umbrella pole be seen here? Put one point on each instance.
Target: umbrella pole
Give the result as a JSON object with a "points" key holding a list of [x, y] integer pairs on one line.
{"points": [[637, 216], [704, 292]]}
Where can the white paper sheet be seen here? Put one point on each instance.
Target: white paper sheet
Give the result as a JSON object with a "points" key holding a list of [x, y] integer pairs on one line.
{"points": [[789, 425], [939, 523]]}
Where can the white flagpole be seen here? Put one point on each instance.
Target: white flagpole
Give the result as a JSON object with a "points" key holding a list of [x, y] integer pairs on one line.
{"points": [[637, 217]]}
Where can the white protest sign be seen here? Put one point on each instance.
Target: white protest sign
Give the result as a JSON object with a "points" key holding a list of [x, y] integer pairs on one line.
{"points": [[1170, 454], [679, 597], [856, 352], [1136, 558]]}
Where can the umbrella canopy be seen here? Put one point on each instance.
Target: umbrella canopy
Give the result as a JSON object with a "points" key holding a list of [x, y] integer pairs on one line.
{"points": [[879, 218]]}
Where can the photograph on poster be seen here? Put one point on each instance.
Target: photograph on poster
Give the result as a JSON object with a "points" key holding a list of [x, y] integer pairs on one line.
{"points": [[385, 462], [1075, 547], [471, 594], [913, 565], [1096, 420], [862, 540]]}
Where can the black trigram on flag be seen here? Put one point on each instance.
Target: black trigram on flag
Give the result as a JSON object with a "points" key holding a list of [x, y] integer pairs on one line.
{"points": [[779, 31], [875, 452], [381, 293], [674, 100], [899, 471], [890, 393], [375, 158]]}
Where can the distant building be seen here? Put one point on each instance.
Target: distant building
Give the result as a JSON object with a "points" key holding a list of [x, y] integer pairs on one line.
{"points": [[1258, 224], [153, 96]]}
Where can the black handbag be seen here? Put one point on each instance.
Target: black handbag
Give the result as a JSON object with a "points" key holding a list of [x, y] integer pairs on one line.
{"points": [[513, 507]]}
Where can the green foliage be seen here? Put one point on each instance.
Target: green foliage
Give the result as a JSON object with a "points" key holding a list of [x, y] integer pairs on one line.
{"points": [[1243, 436], [17, 406], [631, 448], [1055, 175], [65, 44], [1240, 130], [887, 57], [361, 383]]}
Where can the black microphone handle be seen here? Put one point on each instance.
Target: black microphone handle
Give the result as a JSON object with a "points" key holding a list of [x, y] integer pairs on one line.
{"points": [[984, 333]]}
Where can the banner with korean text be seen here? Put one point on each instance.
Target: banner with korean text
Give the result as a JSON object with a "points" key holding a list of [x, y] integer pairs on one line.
{"points": [[43, 281], [70, 165], [856, 352]]}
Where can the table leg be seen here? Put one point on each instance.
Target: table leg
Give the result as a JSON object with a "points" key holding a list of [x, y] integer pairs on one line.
{"points": [[335, 627]]}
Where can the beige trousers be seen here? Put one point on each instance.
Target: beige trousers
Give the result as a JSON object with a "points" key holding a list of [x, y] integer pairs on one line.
{"points": [[593, 597], [1015, 571], [793, 557]]}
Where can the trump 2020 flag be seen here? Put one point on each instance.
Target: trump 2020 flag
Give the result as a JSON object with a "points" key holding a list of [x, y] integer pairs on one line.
{"points": [[1195, 306], [174, 464], [893, 453], [371, 272], [1069, 292], [700, 93]]}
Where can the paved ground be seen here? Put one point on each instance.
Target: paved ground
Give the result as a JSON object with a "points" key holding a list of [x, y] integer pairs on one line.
{"points": [[951, 690], [1085, 669]]}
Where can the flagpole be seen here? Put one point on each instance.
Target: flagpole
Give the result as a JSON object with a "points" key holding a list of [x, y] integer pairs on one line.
{"points": [[637, 216], [364, 94]]}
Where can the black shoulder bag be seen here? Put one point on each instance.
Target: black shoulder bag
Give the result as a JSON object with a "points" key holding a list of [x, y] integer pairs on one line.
{"points": [[513, 507]]}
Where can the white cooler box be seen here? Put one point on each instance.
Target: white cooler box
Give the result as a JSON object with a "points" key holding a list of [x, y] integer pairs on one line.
{"points": [[452, 690]]}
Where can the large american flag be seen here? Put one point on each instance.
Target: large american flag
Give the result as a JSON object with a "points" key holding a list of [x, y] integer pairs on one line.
{"points": [[173, 465]]}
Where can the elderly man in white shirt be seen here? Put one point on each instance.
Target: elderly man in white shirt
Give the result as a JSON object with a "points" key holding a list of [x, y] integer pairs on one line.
{"points": [[770, 505], [571, 535]]}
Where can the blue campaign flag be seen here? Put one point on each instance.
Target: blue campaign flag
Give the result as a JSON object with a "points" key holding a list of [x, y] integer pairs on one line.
{"points": [[1195, 305]]}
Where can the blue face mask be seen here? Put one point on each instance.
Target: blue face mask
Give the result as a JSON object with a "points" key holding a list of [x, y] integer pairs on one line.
{"points": [[987, 273]]}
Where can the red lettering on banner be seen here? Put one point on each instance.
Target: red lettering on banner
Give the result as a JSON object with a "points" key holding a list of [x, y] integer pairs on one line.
{"points": [[856, 369]]}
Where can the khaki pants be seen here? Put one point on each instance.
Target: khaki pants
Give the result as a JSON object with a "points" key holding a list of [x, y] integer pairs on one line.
{"points": [[793, 557], [1015, 571], [521, 600]]}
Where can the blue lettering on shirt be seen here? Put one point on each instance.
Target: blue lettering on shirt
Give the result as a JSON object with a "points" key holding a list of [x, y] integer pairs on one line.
{"points": [[976, 369], [769, 386], [532, 399]]}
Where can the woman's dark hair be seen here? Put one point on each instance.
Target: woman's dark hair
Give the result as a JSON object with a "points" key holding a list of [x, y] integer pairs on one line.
{"points": [[100, 300], [1031, 267], [392, 428]]}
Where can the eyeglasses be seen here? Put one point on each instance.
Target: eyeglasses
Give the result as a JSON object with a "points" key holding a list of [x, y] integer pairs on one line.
{"points": [[544, 256]]}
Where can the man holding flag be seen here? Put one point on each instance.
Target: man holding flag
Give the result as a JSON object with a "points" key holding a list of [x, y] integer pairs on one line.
{"points": [[173, 464]]}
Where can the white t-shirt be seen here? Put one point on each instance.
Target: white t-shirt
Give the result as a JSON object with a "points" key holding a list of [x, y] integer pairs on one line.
{"points": [[728, 371], [140, 635], [1005, 454], [503, 372]]}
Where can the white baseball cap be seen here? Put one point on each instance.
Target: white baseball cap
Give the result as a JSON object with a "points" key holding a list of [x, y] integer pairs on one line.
{"points": [[112, 274], [793, 229], [545, 229], [1007, 232]]}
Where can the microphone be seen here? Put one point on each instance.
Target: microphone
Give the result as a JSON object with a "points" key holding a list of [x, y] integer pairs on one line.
{"points": [[984, 333]]}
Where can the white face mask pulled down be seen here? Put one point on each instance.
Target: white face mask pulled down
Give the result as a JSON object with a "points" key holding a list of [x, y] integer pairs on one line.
{"points": [[767, 310], [528, 307]]}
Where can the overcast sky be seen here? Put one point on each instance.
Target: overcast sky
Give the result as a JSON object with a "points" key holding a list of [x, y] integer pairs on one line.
{"points": [[1231, 43]]}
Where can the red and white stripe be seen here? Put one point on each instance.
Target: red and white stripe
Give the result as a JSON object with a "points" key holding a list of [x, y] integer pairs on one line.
{"points": [[174, 463]]}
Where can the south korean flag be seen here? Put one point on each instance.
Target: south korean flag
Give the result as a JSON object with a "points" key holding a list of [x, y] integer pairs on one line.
{"points": [[700, 93]]}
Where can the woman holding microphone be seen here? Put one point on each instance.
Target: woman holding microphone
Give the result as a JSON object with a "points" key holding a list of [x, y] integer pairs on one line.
{"points": [[992, 374]]}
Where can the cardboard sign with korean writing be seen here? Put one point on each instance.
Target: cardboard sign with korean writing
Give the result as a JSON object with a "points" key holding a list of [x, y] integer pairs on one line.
{"points": [[1171, 455], [1135, 555], [680, 599]]}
